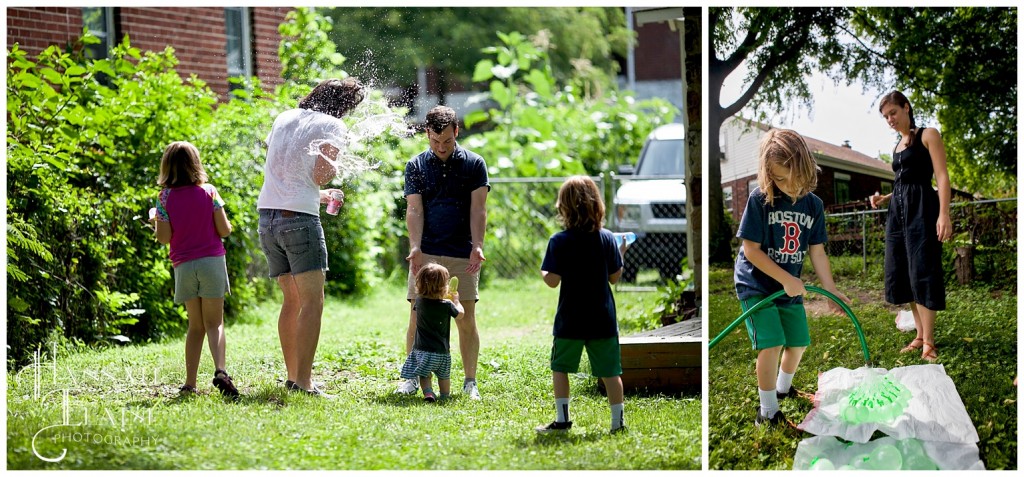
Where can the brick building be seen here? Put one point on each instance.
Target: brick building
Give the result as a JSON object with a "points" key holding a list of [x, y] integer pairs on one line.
{"points": [[213, 43], [846, 179]]}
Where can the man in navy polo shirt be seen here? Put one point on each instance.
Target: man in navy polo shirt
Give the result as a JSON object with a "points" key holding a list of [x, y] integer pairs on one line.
{"points": [[446, 189]]}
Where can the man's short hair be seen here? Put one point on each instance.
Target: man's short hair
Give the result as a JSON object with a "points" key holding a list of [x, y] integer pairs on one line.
{"points": [[440, 117]]}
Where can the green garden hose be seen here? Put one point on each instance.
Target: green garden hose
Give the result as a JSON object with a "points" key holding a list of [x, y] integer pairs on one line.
{"points": [[770, 298]]}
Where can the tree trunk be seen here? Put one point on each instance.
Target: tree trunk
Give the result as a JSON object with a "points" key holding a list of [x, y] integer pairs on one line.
{"points": [[964, 264], [690, 38]]}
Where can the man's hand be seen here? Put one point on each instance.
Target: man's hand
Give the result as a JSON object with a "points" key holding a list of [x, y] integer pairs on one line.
{"points": [[415, 260], [476, 258]]}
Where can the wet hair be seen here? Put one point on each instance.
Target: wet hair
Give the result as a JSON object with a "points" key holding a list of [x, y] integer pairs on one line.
{"points": [[180, 166], [897, 98], [432, 281], [440, 117], [335, 97], [786, 147], [580, 205]]}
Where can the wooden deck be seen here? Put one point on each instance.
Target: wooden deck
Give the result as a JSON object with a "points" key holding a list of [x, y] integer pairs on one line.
{"points": [[666, 359]]}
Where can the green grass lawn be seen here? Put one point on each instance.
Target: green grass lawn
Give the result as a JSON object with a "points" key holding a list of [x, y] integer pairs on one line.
{"points": [[123, 411], [977, 343]]}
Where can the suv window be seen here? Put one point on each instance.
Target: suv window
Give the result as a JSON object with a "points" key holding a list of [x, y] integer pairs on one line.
{"points": [[655, 162]]}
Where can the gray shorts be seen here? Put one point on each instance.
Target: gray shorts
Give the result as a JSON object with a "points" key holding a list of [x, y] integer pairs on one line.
{"points": [[205, 277], [469, 285], [293, 242]]}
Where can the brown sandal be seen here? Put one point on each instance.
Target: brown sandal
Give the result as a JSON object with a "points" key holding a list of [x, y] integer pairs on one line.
{"points": [[910, 347], [928, 352]]}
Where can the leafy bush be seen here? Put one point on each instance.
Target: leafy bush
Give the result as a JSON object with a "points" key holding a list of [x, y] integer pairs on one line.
{"points": [[84, 141]]}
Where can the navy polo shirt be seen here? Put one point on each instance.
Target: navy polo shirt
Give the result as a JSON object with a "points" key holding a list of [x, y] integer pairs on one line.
{"points": [[584, 260], [785, 231], [447, 190]]}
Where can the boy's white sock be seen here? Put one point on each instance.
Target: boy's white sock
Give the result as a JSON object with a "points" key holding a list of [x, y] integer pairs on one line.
{"points": [[769, 402], [783, 382], [562, 409], [618, 415]]}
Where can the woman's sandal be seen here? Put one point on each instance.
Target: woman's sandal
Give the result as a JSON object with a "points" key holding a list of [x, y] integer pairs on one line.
{"points": [[186, 390], [910, 347], [928, 352]]}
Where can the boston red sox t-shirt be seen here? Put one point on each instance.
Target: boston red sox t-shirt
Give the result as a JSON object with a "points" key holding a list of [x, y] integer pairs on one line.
{"points": [[785, 231]]}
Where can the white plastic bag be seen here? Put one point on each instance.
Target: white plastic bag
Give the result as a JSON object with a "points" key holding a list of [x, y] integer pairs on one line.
{"points": [[905, 321], [827, 453], [934, 412]]}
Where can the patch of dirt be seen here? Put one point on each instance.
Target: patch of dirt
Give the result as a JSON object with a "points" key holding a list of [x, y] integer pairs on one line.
{"points": [[817, 305]]}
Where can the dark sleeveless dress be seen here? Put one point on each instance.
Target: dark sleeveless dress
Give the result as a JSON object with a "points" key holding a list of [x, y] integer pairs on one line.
{"points": [[913, 253]]}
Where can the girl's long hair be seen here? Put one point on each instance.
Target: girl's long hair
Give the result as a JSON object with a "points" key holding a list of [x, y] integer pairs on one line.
{"points": [[180, 166], [897, 98]]}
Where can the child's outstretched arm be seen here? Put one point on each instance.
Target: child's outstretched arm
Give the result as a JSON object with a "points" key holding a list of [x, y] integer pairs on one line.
{"points": [[220, 222], [823, 269], [793, 285], [458, 306], [551, 279]]}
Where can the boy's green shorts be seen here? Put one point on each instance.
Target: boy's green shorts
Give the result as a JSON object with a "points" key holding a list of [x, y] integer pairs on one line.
{"points": [[605, 360], [776, 325]]}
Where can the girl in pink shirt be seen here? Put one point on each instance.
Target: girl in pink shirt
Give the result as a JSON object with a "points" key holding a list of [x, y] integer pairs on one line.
{"points": [[190, 217]]}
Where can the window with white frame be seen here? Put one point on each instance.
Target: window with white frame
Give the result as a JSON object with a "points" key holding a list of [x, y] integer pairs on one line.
{"points": [[727, 197], [238, 29], [100, 22]]}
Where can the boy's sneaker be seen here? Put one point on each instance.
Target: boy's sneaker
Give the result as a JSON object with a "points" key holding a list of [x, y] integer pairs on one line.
{"points": [[793, 393], [408, 386], [469, 388], [776, 420], [555, 426], [222, 381], [429, 396], [618, 430]]}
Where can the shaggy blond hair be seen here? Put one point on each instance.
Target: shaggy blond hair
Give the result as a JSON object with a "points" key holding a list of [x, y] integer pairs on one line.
{"points": [[580, 205], [785, 147]]}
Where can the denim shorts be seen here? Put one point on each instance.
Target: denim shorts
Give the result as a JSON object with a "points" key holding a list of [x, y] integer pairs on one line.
{"points": [[205, 277], [293, 242]]}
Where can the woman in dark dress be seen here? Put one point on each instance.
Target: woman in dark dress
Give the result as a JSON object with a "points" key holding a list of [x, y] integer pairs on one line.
{"points": [[918, 222]]}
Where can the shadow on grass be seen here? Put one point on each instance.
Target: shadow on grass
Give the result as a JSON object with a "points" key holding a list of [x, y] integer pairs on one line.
{"points": [[560, 439], [408, 400]]}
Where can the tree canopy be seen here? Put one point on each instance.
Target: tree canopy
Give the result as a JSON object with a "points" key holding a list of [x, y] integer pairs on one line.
{"points": [[958, 65], [955, 64], [389, 44]]}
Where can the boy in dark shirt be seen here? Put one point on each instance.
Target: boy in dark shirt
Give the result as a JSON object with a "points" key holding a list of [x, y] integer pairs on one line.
{"points": [[583, 258]]}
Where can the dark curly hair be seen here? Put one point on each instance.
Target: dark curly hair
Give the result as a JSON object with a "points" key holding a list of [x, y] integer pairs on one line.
{"points": [[335, 97], [440, 117]]}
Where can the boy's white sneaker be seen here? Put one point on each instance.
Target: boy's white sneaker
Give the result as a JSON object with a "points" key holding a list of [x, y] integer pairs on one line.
{"points": [[470, 390], [409, 386]]}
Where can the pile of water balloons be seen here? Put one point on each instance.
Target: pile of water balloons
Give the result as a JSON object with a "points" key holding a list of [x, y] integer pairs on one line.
{"points": [[907, 454], [878, 399]]}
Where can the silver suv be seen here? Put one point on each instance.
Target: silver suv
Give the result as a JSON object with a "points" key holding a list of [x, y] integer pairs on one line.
{"points": [[652, 203]]}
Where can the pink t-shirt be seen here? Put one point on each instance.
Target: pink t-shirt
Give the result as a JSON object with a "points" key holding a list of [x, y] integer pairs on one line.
{"points": [[189, 209]]}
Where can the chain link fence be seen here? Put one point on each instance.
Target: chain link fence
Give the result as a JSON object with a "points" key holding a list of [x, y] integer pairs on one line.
{"points": [[983, 247], [521, 217]]}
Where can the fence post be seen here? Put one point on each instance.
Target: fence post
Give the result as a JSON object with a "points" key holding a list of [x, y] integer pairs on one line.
{"points": [[864, 240]]}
